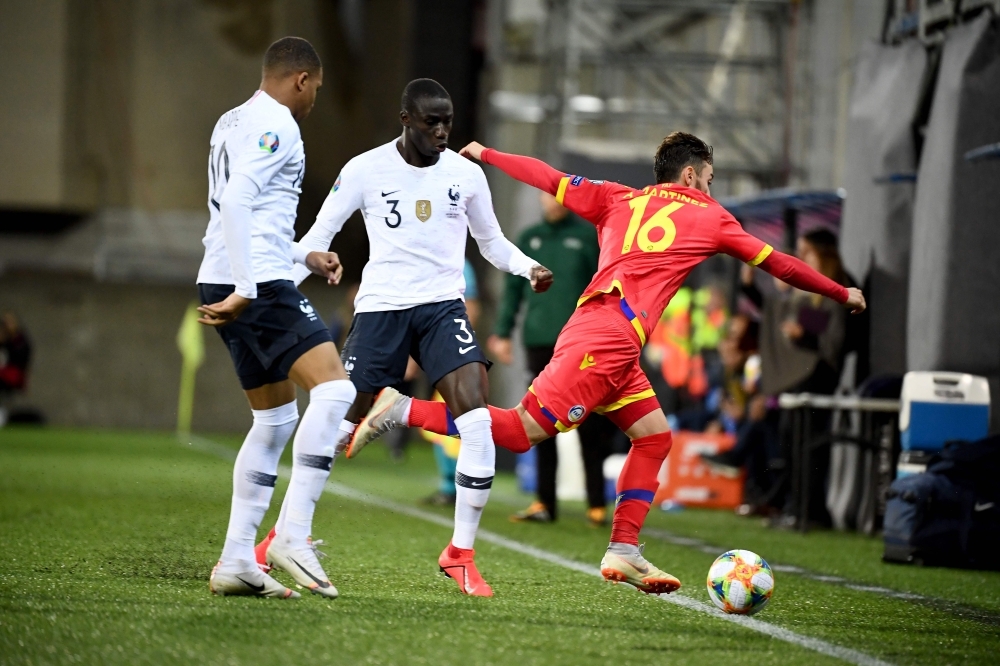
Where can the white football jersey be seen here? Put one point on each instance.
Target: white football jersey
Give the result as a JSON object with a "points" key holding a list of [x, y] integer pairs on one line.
{"points": [[261, 140], [417, 221]]}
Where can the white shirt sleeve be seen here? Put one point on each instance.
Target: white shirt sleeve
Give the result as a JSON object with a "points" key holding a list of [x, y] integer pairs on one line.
{"points": [[345, 198], [268, 149], [485, 228], [299, 253], [236, 211]]}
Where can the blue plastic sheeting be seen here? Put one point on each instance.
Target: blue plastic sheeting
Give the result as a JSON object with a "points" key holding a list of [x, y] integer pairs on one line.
{"points": [[763, 214], [988, 152]]}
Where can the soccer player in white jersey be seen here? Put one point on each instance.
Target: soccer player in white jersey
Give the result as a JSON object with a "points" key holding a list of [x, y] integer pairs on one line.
{"points": [[274, 336], [419, 201]]}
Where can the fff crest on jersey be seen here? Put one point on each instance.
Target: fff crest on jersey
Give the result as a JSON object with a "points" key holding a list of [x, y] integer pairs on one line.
{"points": [[423, 210]]}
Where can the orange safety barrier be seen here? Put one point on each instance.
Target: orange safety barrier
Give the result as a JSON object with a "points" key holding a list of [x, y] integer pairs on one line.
{"points": [[688, 481]]}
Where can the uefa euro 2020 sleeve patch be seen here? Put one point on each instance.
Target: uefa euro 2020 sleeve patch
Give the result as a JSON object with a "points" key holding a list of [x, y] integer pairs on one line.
{"points": [[336, 183], [268, 142]]}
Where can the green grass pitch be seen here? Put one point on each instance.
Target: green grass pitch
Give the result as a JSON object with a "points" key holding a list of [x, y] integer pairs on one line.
{"points": [[108, 539]]}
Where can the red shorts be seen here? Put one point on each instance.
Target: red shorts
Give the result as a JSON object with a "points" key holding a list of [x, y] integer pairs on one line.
{"points": [[595, 368]]}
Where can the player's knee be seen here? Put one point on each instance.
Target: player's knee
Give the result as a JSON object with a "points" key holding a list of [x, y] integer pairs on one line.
{"points": [[361, 406], [276, 425], [465, 399], [278, 416], [465, 389], [534, 431], [338, 390], [653, 446]]}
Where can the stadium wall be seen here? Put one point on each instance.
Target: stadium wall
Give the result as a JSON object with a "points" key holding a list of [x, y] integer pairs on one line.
{"points": [[954, 323], [878, 208], [105, 354]]}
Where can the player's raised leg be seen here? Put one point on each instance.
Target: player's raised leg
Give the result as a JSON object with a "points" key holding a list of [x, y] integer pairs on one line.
{"points": [[321, 437], [392, 410]]}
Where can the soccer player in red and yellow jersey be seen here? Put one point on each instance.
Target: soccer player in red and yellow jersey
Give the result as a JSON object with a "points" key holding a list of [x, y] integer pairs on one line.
{"points": [[650, 241]]}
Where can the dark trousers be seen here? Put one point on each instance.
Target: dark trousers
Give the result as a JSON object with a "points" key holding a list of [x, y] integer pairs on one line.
{"points": [[596, 435]]}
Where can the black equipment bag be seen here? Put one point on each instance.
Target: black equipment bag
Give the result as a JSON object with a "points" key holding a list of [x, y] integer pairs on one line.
{"points": [[949, 515]]}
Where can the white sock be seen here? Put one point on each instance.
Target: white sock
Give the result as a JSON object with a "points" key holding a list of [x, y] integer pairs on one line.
{"points": [[254, 475], [343, 437], [319, 440], [474, 474]]}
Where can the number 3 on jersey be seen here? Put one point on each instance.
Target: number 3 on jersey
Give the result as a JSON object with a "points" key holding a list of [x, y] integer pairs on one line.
{"points": [[658, 220]]}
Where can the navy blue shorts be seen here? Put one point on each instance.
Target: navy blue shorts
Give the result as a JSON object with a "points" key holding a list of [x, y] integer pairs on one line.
{"points": [[278, 327], [438, 336]]}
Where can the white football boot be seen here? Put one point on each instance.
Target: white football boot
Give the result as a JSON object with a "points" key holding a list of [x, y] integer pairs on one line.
{"points": [[385, 414], [301, 563], [636, 570], [252, 582]]}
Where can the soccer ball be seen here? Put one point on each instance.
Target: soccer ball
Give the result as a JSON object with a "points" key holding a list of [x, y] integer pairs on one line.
{"points": [[740, 582]]}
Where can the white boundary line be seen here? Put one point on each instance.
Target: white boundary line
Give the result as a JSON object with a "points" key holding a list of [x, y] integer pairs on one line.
{"points": [[774, 631], [704, 547]]}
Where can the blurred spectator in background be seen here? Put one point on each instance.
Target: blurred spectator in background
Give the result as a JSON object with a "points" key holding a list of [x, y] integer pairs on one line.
{"points": [[802, 349], [568, 246], [682, 358], [446, 448], [746, 415], [15, 359]]}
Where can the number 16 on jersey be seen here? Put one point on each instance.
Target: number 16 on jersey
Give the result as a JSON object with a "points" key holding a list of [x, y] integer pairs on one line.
{"points": [[658, 220]]}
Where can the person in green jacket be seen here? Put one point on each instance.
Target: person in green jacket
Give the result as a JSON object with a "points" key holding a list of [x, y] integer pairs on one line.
{"points": [[568, 246]]}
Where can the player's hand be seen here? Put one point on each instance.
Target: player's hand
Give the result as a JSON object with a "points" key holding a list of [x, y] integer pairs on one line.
{"points": [[541, 278], [326, 265], [223, 312], [855, 300], [473, 151], [501, 348]]}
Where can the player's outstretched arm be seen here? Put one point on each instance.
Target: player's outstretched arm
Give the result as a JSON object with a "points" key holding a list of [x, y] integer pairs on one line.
{"points": [[586, 198], [528, 170], [494, 246], [311, 253], [734, 241], [797, 273]]}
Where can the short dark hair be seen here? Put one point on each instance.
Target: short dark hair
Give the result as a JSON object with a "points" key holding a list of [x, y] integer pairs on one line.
{"points": [[679, 150], [420, 89], [291, 55]]}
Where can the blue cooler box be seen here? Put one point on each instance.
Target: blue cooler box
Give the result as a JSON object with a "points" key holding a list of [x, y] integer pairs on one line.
{"points": [[938, 407]]}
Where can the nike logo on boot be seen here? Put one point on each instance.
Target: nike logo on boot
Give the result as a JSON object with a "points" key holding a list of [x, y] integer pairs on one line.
{"points": [[322, 583], [255, 588]]}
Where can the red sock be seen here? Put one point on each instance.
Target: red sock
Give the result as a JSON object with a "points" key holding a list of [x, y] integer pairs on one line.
{"points": [[435, 417], [508, 431], [637, 486]]}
